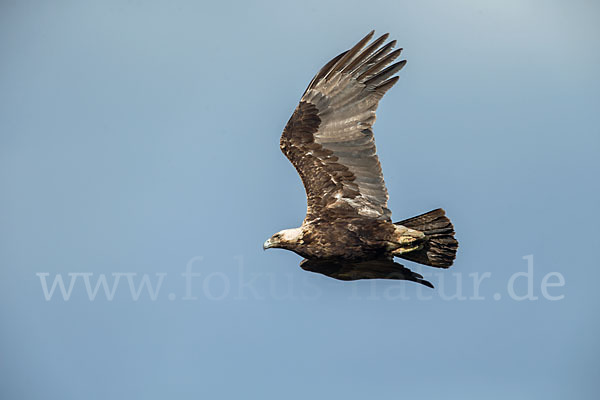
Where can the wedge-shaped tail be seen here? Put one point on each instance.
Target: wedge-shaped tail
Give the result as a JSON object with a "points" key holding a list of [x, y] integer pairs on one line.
{"points": [[439, 248]]}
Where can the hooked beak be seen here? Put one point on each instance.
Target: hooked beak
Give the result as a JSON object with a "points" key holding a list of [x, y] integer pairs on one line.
{"points": [[268, 244]]}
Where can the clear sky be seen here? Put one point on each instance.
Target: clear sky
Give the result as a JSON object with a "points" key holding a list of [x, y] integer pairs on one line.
{"points": [[140, 140]]}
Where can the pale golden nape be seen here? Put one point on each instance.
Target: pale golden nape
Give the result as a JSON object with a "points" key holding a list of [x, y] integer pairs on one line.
{"points": [[281, 238]]}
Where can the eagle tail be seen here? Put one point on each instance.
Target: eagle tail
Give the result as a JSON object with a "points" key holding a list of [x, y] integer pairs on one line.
{"points": [[439, 249]]}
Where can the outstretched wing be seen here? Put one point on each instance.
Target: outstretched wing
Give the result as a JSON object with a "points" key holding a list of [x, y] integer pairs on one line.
{"points": [[371, 269], [329, 139]]}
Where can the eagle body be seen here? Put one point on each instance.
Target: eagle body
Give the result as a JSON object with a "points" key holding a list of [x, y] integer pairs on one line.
{"points": [[356, 239], [348, 232]]}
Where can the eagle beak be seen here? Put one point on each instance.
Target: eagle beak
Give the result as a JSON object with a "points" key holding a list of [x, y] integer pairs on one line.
{"points": [[268, 244]]}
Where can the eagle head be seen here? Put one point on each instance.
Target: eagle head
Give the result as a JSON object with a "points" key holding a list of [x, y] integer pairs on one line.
{"points": [[285, 239]]}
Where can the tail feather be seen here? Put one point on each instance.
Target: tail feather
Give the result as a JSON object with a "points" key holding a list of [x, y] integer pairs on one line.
{"points": [[439, 249]]}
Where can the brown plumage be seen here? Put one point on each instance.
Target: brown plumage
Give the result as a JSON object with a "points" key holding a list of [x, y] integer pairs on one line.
{"points": [[348, 232]]}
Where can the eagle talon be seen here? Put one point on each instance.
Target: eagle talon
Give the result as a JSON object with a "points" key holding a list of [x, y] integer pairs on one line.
{"points": [[404, 250]]}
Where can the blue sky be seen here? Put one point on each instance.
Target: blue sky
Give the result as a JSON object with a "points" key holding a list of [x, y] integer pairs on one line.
{"points": [[141, 139]]}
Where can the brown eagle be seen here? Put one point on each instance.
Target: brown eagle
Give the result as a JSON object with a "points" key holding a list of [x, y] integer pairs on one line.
{"points": [[348, 232]]}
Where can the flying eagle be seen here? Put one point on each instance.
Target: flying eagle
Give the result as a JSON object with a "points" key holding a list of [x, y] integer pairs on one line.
{"points": [[348, 233]]}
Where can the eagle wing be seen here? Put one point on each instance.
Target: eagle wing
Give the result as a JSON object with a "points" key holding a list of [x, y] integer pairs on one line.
{"points": [[329, 139], [370, 269]]}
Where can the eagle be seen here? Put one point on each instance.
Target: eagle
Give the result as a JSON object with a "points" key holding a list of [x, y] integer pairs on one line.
{"points": [[348, 233]]}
